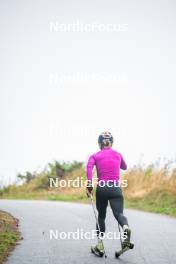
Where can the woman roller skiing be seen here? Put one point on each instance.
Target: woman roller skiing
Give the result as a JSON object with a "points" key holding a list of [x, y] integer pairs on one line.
{"points": [[108, 163]]}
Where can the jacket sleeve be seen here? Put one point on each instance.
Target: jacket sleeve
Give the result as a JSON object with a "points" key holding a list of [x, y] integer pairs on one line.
{"points": [[90, 165], [123, 164]]}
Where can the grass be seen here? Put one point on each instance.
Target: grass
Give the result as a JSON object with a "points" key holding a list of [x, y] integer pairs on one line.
{"points": [[161, 202], [67, 198], [9, 234], [151, 189]]}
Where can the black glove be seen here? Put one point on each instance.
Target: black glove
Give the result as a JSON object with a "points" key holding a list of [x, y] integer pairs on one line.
{"points": [[89, 189]]}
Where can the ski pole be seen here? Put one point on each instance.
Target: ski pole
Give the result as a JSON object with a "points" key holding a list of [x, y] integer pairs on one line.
{"points": [[97, 223], [120, 235]]}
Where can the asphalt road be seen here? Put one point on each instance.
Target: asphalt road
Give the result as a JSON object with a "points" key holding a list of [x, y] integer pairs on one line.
{"points": [[154, 235]]}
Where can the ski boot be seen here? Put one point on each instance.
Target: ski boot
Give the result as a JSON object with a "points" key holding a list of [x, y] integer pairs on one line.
{"points": [[126, 244], [98, 250]]}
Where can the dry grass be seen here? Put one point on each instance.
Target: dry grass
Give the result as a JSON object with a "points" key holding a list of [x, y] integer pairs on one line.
{"points": [[152, 188], [9, 234], [141, 182]]}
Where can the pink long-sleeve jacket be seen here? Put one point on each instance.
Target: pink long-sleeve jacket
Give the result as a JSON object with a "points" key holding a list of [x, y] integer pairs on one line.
{"points": [[108, 163]]}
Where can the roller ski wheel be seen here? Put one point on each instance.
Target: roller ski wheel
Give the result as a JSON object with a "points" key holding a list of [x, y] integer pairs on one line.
{"points": [[131, 246], [125, 247], [117, 254], [98, 250]]}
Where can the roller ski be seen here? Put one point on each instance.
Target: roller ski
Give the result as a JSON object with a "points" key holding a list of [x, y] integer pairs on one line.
{"points": [[98, 250], [126, 244]]}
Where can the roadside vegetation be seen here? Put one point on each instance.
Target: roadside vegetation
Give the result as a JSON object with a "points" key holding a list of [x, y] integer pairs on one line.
{"points": [[9, 234], [151, 188]]}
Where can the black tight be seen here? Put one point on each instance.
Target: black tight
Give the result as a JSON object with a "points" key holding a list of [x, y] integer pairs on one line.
{"points": [[115, 197]]}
